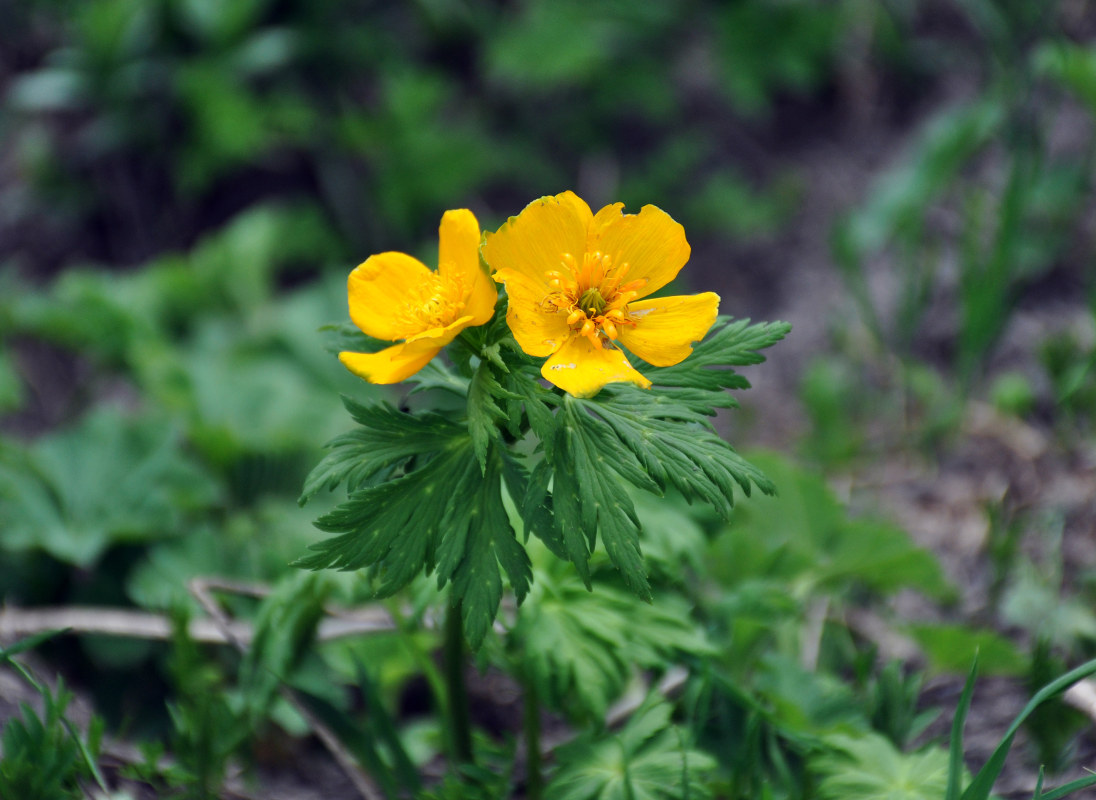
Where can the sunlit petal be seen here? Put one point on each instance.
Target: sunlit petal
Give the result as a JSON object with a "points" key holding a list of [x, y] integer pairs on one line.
{"points": [[458, 254], [391, 365], [667, 327], [581, 368], [532, 243], [537, 331], [651, 243], [377, 291]]}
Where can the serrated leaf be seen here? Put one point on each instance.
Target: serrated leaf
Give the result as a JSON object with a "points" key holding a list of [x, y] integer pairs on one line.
{"points": [[446, 514], [530, 492], [647, 760], [581, 647], [587, 499], [528, 396], [484, 413], [708, 368], [869, 766], [490, 544], [387, 437], [677, 447]]}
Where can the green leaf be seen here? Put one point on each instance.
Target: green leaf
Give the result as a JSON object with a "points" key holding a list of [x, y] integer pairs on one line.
{"points": [[587, 499], [484, 413], [444, 513], [677, 447], [109, 479], [284, 631], [537, 403], [980, 787], [956, 768], [645, 761], [868, 767], [804, 533], [386, 439], [730, 344], [581, 647], [950, 648]]}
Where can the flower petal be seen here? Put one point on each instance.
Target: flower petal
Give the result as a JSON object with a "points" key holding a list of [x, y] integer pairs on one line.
{"points": [[538, 332], [666, 327], [391, 365], [602, 220], [581, 368], [532, 243], [650, 242], [458, 254], [442, 336], [377, 291]]}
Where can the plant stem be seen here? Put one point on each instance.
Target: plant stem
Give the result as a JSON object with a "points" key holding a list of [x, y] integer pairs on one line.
{"points": [[534, 778], [460, 726]]}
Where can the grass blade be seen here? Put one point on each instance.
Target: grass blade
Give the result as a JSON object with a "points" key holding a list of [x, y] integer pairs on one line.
{"points": [[955, 749], [980, 787], [29, 643], [1069, 788]]}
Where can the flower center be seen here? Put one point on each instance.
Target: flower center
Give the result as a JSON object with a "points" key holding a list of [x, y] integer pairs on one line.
{"points": [[592, 295], [592, 302], [435, 303]]}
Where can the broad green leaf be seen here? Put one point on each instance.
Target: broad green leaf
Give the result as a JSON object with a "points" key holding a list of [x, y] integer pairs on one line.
{"points": [[108, 480], [805, 534], [951, 648]]}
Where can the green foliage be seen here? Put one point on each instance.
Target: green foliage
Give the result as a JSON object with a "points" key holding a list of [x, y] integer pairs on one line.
{"points": [[859, 768], [441, 513], [578, 648], [894, 697], [982, 784], [649, 759], [41, 759], [425, 492], [132, 482], [206, 729], [805, 535], [950, 648], [42, 755]]}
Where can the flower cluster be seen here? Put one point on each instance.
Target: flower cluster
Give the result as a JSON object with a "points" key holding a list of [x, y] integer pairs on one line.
{"points": [[577, 286]]}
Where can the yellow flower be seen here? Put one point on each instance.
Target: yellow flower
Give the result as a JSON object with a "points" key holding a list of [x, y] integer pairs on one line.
{"points": [[575, 283], [397, 298]]}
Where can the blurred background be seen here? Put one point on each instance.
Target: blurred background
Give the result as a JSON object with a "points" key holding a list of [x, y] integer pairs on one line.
{"points": [[185, 184]]}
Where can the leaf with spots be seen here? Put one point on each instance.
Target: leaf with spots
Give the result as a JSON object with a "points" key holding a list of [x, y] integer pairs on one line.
{"points": [[588, 462]]}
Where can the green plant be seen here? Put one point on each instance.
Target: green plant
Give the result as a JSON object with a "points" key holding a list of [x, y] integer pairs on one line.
{"points": [[44, 756]]}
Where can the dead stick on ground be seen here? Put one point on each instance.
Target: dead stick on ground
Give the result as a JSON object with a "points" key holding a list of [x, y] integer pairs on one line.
{"points": [[106, 621], [200, 588]]}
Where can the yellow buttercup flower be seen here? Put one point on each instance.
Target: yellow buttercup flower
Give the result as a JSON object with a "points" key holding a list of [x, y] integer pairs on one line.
{"points": [[575, 283], [398, 298]]}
